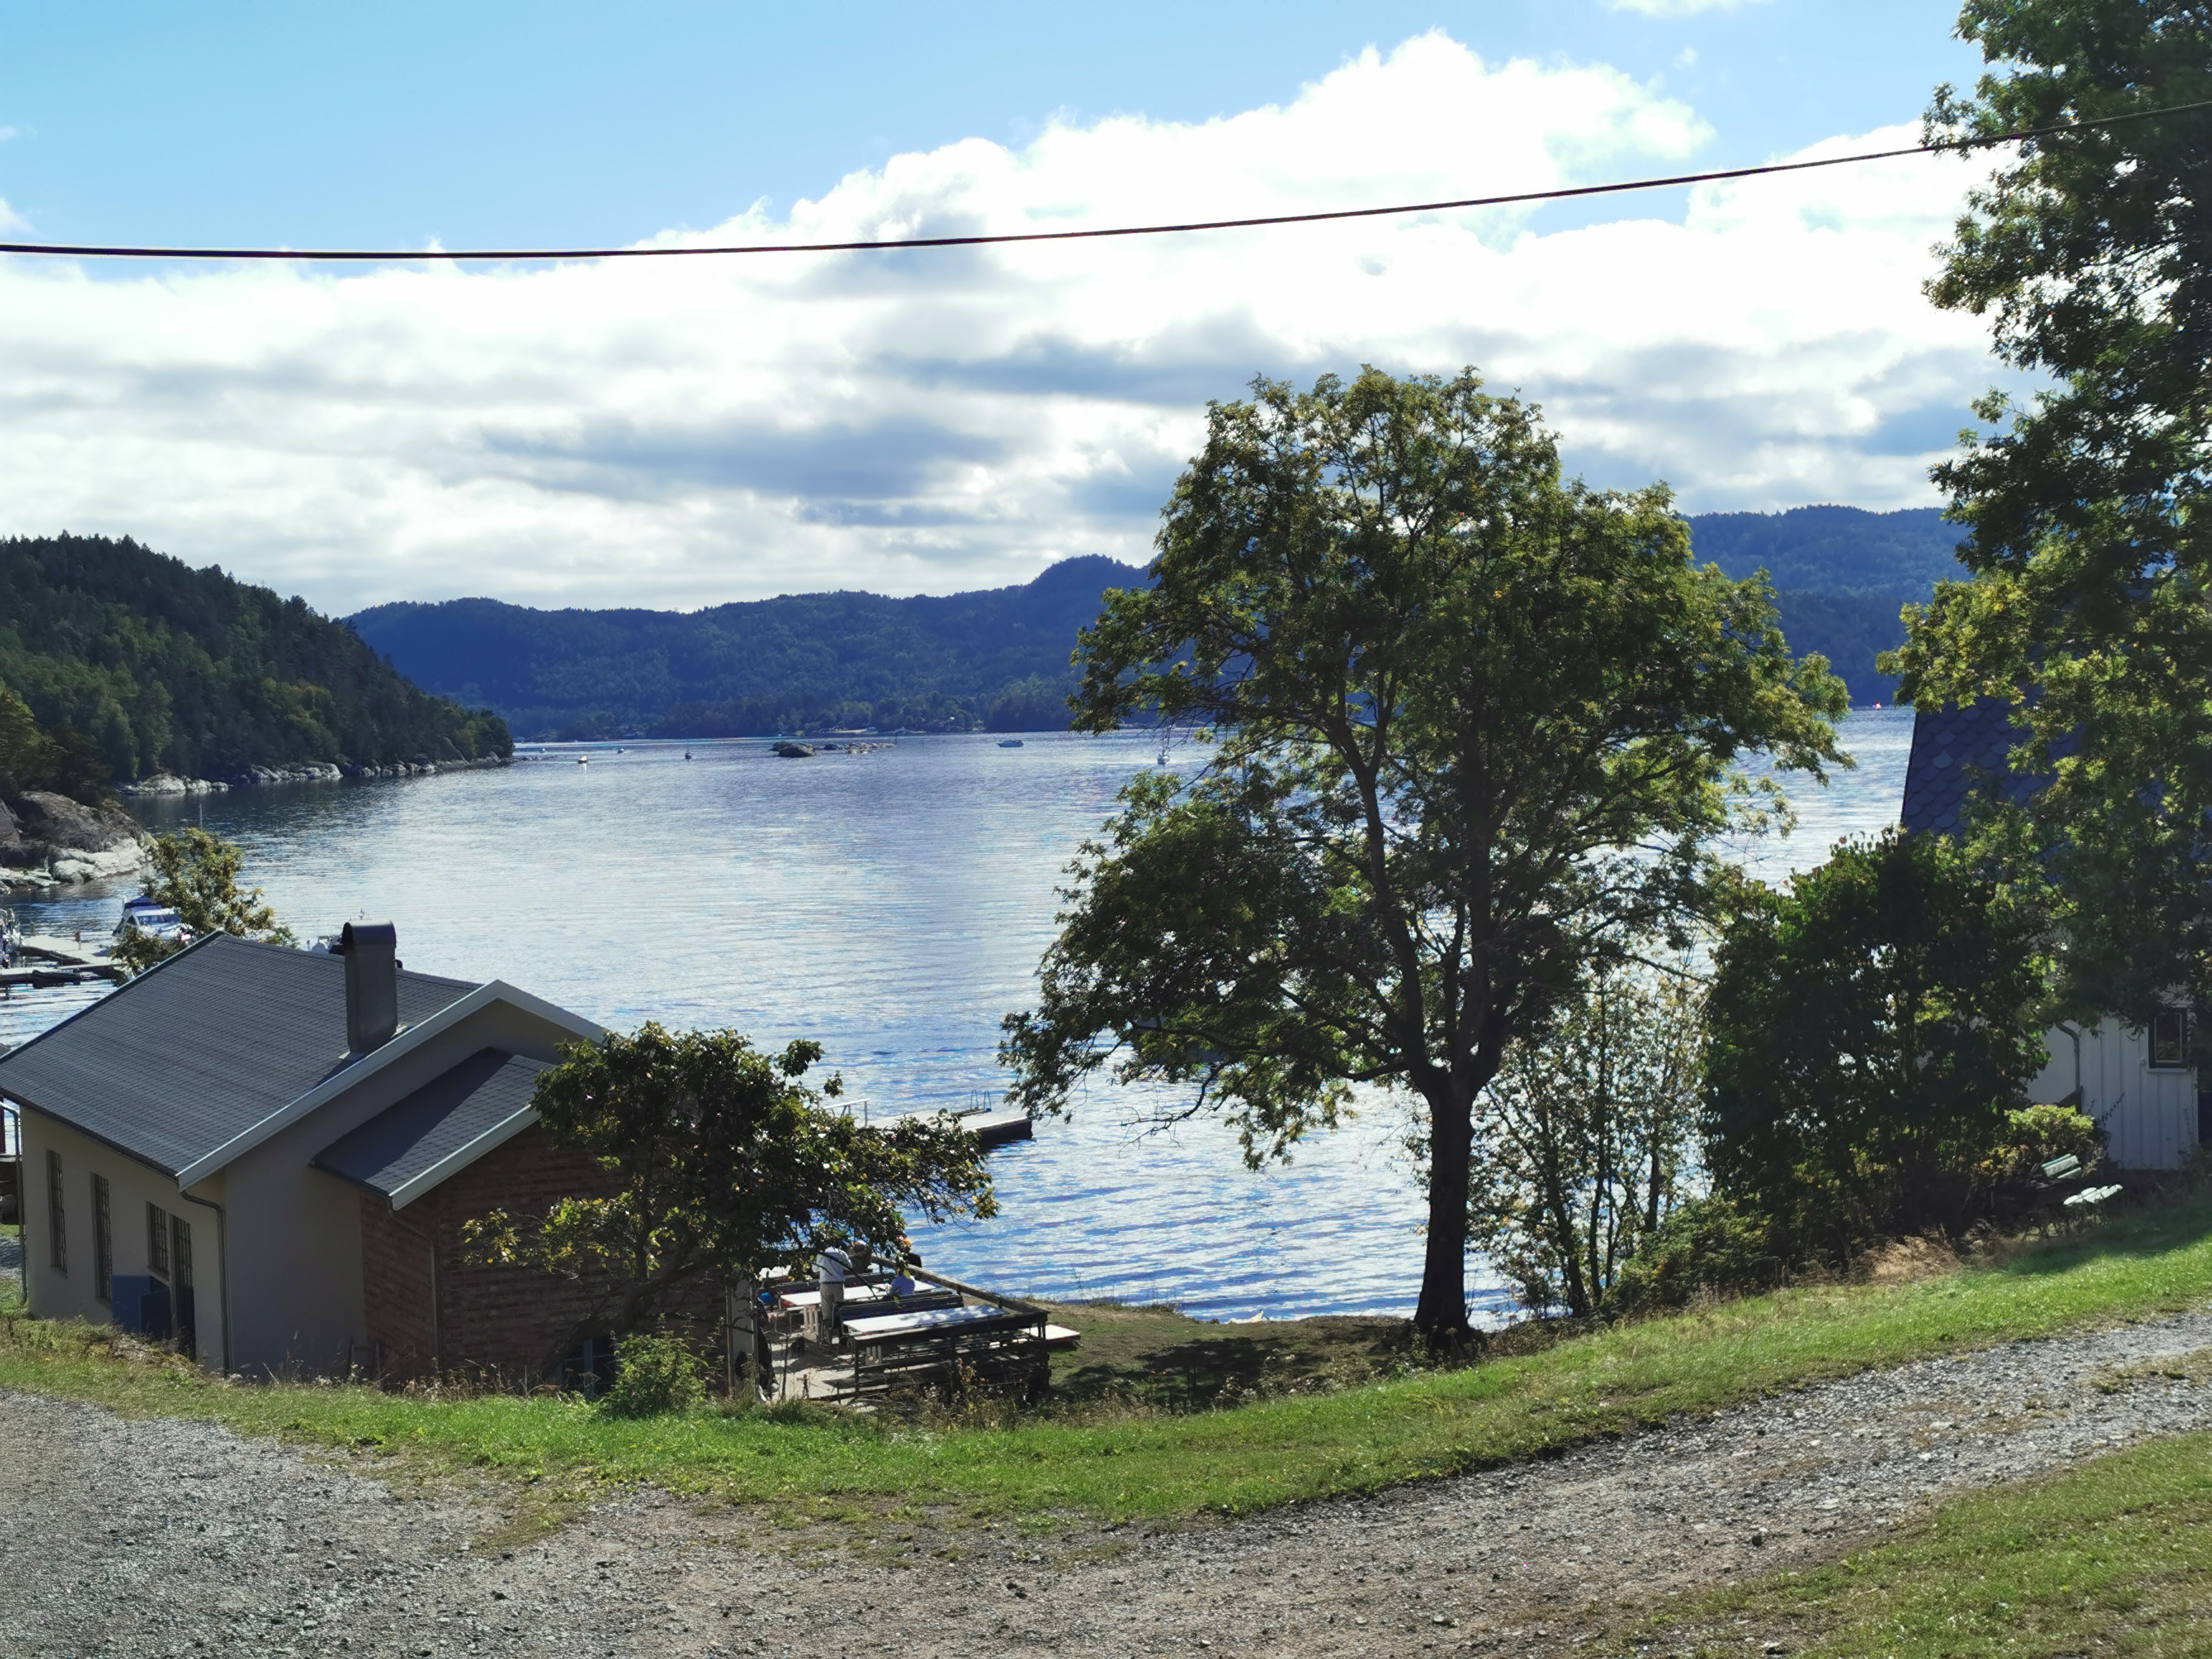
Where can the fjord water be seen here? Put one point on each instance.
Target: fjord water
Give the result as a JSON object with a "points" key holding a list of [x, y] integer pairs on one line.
{"points": [[892, 905]]}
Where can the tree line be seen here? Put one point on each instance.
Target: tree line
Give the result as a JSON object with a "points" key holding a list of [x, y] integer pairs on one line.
{"points": [[132, 663]]}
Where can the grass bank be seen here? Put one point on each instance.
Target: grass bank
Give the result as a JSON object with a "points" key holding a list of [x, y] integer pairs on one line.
{"points": [[1125, 1456], [2113, 1557]]}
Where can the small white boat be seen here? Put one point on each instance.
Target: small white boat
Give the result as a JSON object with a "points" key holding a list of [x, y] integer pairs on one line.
{"points": [[583, 760], [1010, 742], [151, 916]]}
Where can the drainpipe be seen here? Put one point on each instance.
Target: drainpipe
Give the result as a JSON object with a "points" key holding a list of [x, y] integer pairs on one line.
{"points": [[437, 1343], [222, 1269]]}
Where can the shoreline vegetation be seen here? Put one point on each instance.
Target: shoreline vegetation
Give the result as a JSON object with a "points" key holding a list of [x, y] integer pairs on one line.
{"points": [[1167, 1420]]}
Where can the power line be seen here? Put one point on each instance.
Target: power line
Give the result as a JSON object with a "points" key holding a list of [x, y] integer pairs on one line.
{"points": [[96, 250]]}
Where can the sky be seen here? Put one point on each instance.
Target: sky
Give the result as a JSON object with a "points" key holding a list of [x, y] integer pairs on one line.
{"points": [[683, 432]]}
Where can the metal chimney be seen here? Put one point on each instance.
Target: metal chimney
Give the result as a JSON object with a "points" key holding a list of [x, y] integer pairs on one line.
{"points": [[371, 949]]}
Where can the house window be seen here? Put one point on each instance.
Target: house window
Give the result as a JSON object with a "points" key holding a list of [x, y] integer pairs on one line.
{"points": [[183, 1318], [2169, 1038], [56, 1228], [157, 1241], [103, 1241]]}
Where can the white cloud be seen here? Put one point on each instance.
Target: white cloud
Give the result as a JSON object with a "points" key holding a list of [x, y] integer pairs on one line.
{"points": [[684, 432]]}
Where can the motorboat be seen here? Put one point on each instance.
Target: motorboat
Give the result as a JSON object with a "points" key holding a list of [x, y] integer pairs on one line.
{"points": [[1010, 742], [583, 760], [149, 916]]}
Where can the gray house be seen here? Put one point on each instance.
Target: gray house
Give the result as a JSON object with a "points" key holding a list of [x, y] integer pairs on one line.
{"points": [[267, 1154]]}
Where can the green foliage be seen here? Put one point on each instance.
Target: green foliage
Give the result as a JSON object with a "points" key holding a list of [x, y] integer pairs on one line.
{"points": [[1869, 1029], [1478, 727], [63, 760], [655, 1373], [720, 1164], [196, 875], [1707, 1247], [2036, 1135], [165, 668], [1582, 1140], [2090, 253]]}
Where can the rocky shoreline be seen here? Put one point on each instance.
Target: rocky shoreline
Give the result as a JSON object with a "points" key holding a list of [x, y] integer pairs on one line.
{"points": [[166, 785], [49, 840]]}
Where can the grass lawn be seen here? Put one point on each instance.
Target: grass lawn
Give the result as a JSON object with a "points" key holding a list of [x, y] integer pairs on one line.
{"points": [[1120, 1447], [2113, 1557]]}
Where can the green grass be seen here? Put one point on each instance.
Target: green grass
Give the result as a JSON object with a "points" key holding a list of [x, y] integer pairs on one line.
{"points": [[1132, 1460], [2113, 1557]]}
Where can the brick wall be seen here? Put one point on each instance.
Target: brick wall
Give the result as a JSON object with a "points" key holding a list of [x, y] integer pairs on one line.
{"points": [[489, 1320]]}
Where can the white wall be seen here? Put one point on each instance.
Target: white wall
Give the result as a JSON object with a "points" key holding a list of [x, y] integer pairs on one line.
{"points": [[2148, 1113], [72, 1293]]}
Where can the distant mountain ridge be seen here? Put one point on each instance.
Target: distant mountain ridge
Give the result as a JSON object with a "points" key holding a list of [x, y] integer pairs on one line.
{"points": [[998, 658]]}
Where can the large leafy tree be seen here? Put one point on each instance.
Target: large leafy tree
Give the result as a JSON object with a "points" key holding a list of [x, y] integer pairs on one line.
{"points": [[1869, 1029], [2089, 602], [721, 1163], [1477, 728]]}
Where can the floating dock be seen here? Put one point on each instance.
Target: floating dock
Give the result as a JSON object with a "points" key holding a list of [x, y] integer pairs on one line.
{"points": [[997, 1128]]}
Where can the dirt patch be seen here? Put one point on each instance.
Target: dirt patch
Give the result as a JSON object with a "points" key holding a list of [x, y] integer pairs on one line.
{"points": [[1908, 1261]]}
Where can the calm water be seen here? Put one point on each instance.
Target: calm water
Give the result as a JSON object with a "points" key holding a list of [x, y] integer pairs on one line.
{"points": [[894, 907]]}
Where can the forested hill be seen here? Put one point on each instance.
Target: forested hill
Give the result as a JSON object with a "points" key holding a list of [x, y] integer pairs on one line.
{"points": [[804, 662], [1840, 574], [164, 668], [998, 658]]}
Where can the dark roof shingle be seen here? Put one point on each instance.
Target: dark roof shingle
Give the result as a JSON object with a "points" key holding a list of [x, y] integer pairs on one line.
{"points": [[1956, 750], [182, 1060], [485, 1092]]}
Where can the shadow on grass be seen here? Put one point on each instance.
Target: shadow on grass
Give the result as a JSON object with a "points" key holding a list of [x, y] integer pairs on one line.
{"points": [[2151, 1226]]}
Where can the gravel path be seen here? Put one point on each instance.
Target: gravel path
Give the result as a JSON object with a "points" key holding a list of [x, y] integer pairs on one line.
{"points": [[123, 1538]]}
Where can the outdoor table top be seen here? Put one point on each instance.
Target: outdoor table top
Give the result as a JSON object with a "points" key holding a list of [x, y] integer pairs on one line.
{"points": [[876, 1327], [853, 1293]]}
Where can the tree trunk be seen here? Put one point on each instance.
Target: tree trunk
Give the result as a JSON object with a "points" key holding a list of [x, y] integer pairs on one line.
{"points": [[1441, 1314]]}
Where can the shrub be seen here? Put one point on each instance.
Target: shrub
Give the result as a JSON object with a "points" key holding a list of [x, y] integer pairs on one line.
{"points": [[1707, 1246], [1868, 1030], [652, 1374], [2035, 1135]]}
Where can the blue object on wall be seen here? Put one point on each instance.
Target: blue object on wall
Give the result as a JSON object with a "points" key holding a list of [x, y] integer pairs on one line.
{"points": [[126, 1296]]}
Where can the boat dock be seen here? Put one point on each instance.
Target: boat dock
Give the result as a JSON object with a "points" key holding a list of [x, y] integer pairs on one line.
{"points": [[71, 961], [997, 1128]]}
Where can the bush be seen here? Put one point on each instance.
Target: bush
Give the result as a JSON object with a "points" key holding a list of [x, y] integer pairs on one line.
{"points": [[1868, 1030], [1707, 1246], [2035, 1135], [654, 1374]]}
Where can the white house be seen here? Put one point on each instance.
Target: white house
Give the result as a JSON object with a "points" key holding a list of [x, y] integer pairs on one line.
{"points": [[2137, 1084]]}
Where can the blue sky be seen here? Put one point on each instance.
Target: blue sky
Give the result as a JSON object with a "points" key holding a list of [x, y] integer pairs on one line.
{"points": [[494, 124], [594, 434]]}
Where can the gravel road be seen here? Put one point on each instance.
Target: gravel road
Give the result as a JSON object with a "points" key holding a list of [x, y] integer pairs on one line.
{"points": [[131, 1538]]}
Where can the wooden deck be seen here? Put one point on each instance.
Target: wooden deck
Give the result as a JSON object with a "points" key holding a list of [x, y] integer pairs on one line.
{"points": [[939, 1333]]}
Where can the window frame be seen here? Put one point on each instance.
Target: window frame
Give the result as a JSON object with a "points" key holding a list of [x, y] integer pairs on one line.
{"points": [[157, 1241], [2170, 1031], [103, 1239]]}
